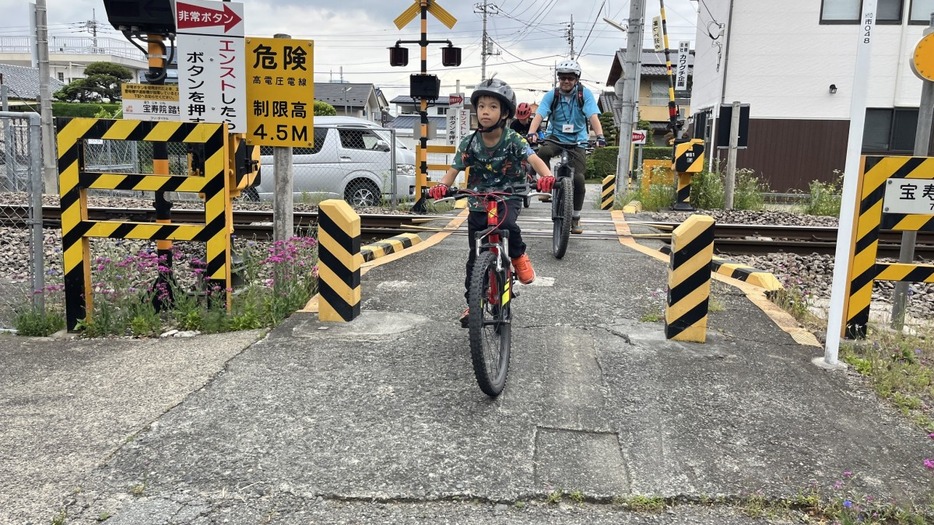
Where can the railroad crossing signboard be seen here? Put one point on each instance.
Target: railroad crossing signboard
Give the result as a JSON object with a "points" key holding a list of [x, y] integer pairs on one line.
{"points": [[439, 12], [280, 92], [211, 62], [150, 101]]}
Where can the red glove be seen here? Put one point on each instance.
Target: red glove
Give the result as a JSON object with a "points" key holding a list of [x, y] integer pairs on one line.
{"points": [[439, 191], [545, 184]]}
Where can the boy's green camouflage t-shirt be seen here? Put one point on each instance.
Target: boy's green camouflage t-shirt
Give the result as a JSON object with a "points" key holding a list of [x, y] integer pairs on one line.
{"points": [[496, 168]]}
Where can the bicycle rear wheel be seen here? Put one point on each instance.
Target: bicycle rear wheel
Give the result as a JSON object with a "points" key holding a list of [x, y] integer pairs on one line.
{"points": [[562, 210], [489, 323]]}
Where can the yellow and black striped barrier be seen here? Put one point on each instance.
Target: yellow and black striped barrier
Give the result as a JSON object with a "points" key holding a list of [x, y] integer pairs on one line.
{"points": [[74, 181], [339, 261], [389, 246], [608, 193], [875, 172], [688, 159], [689, 279], [743, 272]]}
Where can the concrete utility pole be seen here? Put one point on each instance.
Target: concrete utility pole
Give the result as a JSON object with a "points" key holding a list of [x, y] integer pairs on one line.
{"points": [[49, 168], [730, 184], [627, 90], [283, 205], [906, 252], [571, 36]]}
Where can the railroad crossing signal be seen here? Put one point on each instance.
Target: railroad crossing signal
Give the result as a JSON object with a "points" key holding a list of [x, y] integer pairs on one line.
{"points": [[409, 14]]}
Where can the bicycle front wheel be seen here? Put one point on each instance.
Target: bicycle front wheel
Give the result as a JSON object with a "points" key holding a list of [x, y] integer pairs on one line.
{"points": [[562, 210], [489, 323]]}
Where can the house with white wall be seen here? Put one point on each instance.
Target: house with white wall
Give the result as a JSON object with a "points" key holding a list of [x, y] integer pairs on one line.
{"points": [[794, 63]]}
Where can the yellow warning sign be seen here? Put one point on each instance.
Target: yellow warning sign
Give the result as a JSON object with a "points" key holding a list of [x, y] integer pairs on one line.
{"points": [[922, 61], [280, 92]]}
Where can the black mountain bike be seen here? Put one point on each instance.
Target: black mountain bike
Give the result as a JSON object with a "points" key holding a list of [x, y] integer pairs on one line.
{"points": [[492, 288], [562, 199]]}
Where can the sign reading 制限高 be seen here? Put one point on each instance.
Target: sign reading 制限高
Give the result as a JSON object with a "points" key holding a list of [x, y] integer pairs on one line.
{"points": [[211, 70], [150, 102], [280, 92]]}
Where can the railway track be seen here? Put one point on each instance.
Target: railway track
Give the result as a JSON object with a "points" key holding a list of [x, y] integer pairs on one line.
{"points": [[733, 239]]}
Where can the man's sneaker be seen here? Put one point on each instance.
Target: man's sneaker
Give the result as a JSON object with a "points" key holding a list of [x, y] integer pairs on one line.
{"points": [[576, 226], [465, 317], [524, 269]]}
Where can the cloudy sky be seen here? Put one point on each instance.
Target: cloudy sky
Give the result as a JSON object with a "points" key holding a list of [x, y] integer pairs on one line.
{"points": [[352, 36]]}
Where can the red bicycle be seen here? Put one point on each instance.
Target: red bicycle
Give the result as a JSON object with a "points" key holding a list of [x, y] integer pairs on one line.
{"points": [[490, 294]]}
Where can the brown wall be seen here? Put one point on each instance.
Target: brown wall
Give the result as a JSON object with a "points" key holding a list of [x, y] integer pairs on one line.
{"points": [[789, 154]]}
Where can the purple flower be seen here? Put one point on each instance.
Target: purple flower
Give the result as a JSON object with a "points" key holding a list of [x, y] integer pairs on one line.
{"points": [[929, 463], [931, 435], [847, 474], [847, 503]]}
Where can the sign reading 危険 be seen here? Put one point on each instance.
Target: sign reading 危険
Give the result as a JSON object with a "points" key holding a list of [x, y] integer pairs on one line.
{"points": [[211, 69], [280, 92]]}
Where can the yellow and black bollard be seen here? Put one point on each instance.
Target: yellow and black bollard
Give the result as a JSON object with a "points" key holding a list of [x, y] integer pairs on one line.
{"points": [[689, 279], [608, 194], [688, 160], [339, 261]]}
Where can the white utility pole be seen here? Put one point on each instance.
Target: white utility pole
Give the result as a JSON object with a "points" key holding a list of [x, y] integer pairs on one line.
{"points": [[849, 199]]}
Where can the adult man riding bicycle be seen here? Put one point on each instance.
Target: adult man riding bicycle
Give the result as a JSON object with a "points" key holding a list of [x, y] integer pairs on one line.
{"points": [[568, 116]]}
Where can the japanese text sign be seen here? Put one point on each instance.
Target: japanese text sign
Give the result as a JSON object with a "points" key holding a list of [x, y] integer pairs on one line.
{"points": [[280, 92], [150, 101], [681, 77], [911, 196], [211, 62]]}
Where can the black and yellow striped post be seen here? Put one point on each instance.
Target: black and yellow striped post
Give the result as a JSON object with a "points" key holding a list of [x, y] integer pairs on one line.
{"points": [[688, 160], [608, 193], [689, 279], [339, 261], [875, 173], [74, 182]]}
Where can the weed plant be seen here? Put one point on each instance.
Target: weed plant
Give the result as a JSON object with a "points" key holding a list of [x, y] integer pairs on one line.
{"points": [[825, 197], [136, 294]]}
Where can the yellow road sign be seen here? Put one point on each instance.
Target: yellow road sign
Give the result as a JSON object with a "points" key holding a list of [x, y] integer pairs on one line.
{"points": [[280, 92], [439, 12], [922, 61]]}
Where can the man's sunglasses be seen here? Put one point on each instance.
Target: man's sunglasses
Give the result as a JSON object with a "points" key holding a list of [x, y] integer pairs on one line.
{"points": [[567, 77]]}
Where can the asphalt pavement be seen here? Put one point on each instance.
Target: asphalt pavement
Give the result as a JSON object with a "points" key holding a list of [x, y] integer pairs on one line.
{"points": [[380, 420]]}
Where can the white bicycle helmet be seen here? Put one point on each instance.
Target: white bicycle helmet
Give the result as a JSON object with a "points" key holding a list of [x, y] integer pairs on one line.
{"points": [[569, 66]]}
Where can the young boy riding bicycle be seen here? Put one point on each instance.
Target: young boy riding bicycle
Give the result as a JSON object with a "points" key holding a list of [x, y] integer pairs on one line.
{"points": [[495, 155]]}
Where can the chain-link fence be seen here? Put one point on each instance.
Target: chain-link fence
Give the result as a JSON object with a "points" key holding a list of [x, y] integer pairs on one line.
{"points": [[21, 214], [129, 156], [351, 162]]}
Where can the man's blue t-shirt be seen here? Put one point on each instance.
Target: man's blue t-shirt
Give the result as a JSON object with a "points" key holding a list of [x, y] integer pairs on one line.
{"points": [[568, 112]]}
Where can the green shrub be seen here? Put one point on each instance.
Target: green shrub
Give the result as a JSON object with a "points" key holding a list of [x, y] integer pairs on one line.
{"points": [[602, 162], [707, 190], [90, 110], [656, 153], [749, 191], [825, 198]]}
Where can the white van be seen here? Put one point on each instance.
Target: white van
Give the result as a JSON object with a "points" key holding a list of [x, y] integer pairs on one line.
{"points": [[350, 160]]}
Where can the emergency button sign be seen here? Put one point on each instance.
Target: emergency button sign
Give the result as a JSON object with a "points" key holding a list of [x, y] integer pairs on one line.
{"points": [[280, 91]]}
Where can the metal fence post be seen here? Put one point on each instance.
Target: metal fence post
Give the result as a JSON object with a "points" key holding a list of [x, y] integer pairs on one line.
{"points": [[35, 210]]}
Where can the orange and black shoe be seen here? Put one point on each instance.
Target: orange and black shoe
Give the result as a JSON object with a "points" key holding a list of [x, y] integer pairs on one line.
{"points": [[465, 318], [524, 270]]}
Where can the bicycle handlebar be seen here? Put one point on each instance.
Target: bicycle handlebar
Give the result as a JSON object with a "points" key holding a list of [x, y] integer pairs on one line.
{"points": [[458, 193]]}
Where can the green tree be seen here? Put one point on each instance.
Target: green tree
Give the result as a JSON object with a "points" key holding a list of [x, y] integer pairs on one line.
{"points": [[323, 109], [609, 127], [101, 83]]}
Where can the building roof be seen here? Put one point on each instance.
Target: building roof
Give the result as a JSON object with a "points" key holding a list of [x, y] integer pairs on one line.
{"points": [[356, 94], [409, 121], [652, 64], [24, 81]]}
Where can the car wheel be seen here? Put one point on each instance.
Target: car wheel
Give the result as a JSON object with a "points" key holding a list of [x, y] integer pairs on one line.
{"points": [[362, 193]]}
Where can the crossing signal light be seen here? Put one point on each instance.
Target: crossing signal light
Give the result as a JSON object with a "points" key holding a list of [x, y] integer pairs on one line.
{"points": [[398, 56]]}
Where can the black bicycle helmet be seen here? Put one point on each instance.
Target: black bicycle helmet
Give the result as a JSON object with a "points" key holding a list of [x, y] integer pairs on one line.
{"points": [[495, 87]]}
